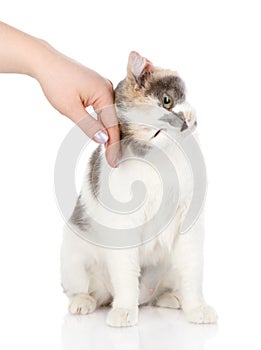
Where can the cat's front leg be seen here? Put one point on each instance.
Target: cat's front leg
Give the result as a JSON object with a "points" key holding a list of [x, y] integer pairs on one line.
{"points": [[189, 260], [195, 308], [75, 277], [124, 273]]}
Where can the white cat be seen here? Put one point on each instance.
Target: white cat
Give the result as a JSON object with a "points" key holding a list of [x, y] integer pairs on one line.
{"points": [[166, 271]]}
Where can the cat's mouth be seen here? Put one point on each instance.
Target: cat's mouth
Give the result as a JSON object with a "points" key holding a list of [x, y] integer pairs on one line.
{"points": [[158, 132], [183, 127]]}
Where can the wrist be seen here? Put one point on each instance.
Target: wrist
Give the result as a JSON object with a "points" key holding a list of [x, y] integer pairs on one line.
{"points": [[41, 56]]}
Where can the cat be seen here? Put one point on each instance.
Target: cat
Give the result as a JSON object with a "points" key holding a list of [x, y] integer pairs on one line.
{"points": [[165, 271]]}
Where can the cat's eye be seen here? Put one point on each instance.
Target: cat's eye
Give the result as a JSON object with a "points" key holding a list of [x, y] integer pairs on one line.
{"points": [[167, 101]]}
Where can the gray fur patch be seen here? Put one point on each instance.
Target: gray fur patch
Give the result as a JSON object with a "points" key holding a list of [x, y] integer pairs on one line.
{"points": [[171, 85], [95, 170], [176, 120], [79, 217], [139, 148]]}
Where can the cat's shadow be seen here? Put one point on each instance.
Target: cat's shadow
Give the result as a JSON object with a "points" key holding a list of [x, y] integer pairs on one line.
{"points": [[158, 329]]}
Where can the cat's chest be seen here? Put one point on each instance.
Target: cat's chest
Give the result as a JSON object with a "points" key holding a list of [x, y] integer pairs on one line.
{"points": [[136, 180]]}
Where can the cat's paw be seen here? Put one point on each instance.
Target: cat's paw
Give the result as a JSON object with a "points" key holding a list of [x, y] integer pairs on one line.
{"points": [[202, 314], [168, 299], [82, 304], [120, 317]]}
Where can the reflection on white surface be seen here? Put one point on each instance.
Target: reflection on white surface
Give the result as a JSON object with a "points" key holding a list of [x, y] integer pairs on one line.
{"points": [[157, 329]]}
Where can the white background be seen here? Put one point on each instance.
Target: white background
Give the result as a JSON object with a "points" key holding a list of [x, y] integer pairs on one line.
{"points": [[215, 46]]}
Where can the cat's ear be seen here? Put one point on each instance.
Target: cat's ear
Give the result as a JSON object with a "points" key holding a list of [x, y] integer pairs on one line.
{"points": [[138, 67]]}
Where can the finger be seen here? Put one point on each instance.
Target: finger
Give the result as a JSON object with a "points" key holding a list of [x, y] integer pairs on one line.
{"points": [[113, 147], [104, 107], [109, 119], [89, 125]]}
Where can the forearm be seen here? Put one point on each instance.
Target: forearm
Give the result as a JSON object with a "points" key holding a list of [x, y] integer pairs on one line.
{"points": [[22, 53], [69, 86]]}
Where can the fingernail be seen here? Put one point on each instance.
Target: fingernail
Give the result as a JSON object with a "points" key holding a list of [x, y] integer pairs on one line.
{"points": [[101, 137]]}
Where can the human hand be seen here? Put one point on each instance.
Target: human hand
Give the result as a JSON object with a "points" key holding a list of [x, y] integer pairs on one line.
{"points": [[70, 88]]}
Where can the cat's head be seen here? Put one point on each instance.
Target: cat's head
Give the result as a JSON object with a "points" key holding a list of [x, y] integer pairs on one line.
{"points": [[148, 84], [161, 90]]}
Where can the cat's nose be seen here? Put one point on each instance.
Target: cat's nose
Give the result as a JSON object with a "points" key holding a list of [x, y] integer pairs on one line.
{"points": [[192, 126], [184, 126], [188, 115]]}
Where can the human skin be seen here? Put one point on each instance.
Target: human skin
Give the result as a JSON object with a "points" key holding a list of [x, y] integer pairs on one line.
{"points": [[68, 85]]}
